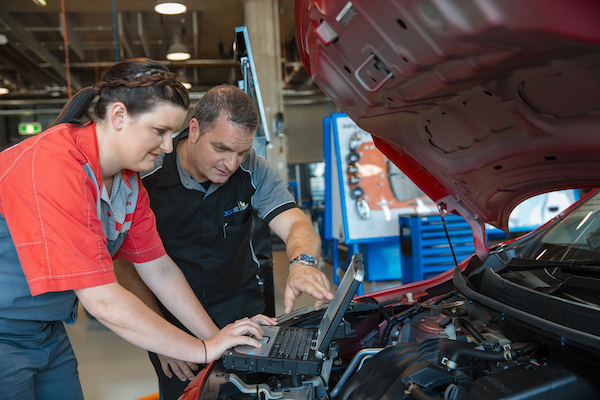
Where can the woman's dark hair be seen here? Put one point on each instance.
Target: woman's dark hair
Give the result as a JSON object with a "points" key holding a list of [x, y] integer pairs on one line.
{"points": [[229, 100], [139, 83]]}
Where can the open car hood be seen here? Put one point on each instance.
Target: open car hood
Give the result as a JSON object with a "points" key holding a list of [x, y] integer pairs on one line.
{"points": [[482, 103]]}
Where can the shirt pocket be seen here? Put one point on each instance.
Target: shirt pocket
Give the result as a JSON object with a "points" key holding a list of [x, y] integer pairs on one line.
{"points": [[236, 224]]}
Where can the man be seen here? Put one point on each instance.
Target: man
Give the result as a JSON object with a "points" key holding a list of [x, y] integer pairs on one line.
{"points": [[203, 195]]}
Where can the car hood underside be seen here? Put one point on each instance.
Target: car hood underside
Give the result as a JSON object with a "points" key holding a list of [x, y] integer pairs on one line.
{"points": [[481, 103]]}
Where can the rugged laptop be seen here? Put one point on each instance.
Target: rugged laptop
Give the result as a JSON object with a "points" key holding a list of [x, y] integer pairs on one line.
{"points": [[299, 351]]}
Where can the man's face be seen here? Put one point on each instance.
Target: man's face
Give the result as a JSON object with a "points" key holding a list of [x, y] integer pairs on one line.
{"points": [[218, 152]]}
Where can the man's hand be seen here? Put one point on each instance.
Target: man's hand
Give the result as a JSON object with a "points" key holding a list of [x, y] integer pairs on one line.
{"points": [[182, 369], [264, 320], [306, 279]]}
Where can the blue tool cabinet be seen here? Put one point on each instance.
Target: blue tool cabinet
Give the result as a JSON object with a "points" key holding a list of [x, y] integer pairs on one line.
{"points": [[424, 245]]}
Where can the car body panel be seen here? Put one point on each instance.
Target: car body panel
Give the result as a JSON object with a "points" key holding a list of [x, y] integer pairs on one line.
{"points": [[490, 102]]}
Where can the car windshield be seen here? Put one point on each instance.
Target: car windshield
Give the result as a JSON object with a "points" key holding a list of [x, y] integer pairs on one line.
{"points": [[574, 238]]}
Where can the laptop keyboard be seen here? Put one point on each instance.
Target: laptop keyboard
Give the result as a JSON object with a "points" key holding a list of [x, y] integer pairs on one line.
{"points": [[292, 344]]}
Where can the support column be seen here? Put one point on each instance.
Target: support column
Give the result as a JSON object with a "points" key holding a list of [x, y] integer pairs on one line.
{"points": [[262, 21]]}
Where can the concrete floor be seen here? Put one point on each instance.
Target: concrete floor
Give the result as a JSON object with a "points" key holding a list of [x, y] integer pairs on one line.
{"points": [[112, 369]]}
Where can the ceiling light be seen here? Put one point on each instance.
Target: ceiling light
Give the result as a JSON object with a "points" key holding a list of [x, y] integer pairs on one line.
{"points": [[187, 85], [4, 90], [41, 3], [172, 8], [177, 50]]}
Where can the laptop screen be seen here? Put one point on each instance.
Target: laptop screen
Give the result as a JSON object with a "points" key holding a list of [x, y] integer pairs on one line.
{"points": [[337, 308]]}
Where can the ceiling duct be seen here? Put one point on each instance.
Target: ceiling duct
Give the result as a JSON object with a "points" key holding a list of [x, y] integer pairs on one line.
{"points": [[10, 23]]}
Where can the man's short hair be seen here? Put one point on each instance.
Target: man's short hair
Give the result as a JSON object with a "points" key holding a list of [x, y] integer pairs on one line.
{"points": [[230, 101]]}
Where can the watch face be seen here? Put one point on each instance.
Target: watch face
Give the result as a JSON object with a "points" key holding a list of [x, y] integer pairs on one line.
{"points": [[307, 257]]}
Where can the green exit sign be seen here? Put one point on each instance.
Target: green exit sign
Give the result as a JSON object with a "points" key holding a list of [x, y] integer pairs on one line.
{"points": [[29, 128]]}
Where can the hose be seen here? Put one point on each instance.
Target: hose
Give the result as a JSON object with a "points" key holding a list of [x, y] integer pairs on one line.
{"points": [[378, 364], [415, 392], [530, 348], [376, 387], [407, 315], [360, 356], [452, 351], [461, 322]]}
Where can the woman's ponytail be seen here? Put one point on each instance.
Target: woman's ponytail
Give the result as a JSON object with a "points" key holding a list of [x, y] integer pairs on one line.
{"points": [[77, 108]]}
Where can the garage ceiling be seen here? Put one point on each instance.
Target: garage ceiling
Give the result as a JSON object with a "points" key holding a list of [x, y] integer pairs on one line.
{"points": [[33, 61]]}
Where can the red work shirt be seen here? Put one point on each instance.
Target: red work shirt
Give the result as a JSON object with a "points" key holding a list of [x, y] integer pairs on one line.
{"points": [[51, 195]]}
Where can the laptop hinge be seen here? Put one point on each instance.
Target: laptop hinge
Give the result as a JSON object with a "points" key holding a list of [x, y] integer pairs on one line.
{"points": [[343, 331]]}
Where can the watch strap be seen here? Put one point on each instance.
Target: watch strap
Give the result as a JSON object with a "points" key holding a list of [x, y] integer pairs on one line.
{"points": [[305, 259]]}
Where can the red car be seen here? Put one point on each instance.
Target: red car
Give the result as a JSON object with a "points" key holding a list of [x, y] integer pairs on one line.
{"points": [[483, 104]]}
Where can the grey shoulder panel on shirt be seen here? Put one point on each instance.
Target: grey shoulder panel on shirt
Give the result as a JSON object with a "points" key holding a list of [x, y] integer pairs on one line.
{"points": [[270, 188]]}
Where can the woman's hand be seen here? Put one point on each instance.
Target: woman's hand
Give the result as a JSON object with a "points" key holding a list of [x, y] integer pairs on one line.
{"points": [[237, 333]]}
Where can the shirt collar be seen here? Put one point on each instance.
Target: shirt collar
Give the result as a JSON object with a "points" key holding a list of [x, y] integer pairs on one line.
{"points": [[88, 144]]}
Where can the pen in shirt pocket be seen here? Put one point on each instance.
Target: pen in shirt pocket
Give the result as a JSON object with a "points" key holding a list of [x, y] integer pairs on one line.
{"points": [[224, 230]]}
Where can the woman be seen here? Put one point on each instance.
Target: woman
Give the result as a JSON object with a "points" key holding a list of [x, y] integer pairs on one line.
{"points": [[71, 200]]}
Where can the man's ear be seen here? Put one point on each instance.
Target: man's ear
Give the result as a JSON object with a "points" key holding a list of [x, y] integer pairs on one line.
{"points": [[117, 113], [194, 130]]}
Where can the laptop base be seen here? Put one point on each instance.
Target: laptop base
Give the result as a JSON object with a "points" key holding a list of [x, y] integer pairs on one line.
{"points": [[283, 367]]}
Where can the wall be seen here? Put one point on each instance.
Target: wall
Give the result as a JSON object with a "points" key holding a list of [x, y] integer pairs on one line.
{"points": [[304, 130]]}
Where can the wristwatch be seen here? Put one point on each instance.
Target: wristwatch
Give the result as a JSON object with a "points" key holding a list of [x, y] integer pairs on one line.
{"points": [[305, 259]]}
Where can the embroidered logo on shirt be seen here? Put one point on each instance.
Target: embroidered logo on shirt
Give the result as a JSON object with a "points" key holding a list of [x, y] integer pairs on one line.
{"points": [[241, 206]]}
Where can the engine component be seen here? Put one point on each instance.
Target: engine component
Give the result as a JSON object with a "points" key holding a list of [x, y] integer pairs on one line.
{"points": [[544, 382], [385, 365], [359, 358], [263, 390], [418, 372]]}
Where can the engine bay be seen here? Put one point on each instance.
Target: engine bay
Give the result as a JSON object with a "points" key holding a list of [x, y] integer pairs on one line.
{"points": [[440, 345]]}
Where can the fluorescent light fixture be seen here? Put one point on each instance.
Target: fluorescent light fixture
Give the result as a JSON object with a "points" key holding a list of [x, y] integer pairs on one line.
{"points": [[170, 8], [41, 3], [178, 52], [187, 85], [4, 90]]}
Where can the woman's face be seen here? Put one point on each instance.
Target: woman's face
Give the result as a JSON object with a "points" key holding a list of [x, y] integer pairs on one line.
{"points": [[144, 137]]}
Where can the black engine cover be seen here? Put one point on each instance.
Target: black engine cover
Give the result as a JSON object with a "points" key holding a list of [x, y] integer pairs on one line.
{"points": [[543, 383]]}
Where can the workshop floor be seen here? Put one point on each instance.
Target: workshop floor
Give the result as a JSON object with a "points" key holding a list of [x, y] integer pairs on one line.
{"points": [[112, 369]]}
